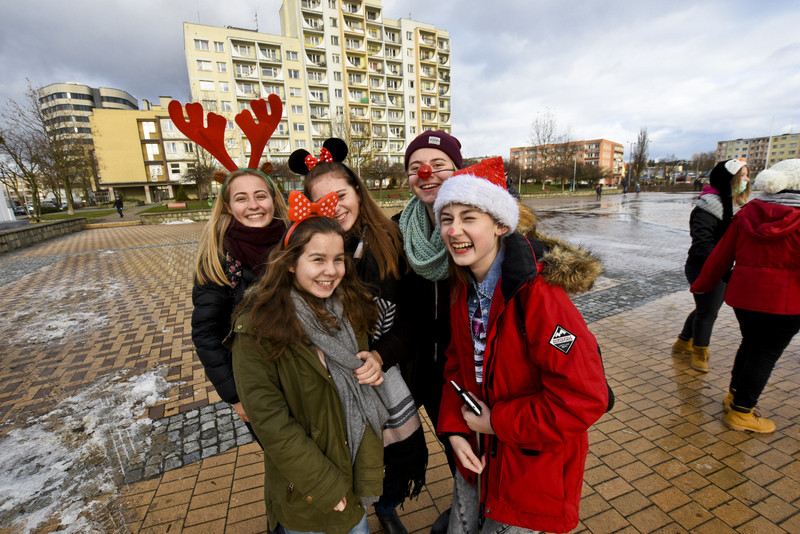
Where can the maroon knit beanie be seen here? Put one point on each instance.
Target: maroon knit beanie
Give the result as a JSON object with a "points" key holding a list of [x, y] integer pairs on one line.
{"points": [[440, 141]]}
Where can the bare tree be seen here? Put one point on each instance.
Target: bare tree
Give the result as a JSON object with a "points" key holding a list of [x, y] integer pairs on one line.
{"points": [[202, 172], [358, 138], [554, 146], [704, 161], [640, 153]]}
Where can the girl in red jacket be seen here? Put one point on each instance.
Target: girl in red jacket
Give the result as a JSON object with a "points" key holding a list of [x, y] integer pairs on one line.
{"points": [[521, 349], [764, 289]]}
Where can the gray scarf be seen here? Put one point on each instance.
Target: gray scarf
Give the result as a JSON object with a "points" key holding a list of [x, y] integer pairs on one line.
{"points": [[425, 250], [389, 404], [786, 198]]}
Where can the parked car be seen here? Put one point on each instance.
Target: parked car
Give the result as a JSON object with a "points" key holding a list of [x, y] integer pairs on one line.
{"points": [[48, 204]]}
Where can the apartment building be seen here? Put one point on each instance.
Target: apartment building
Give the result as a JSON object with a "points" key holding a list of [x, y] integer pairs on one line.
{"points": [[760, 152], [600, 152], [340, 67], [141, 154], [67, 108]]}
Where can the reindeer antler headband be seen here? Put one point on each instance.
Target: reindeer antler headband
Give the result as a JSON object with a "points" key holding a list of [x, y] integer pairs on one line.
{"points": [[212, 136], [333, 150]]}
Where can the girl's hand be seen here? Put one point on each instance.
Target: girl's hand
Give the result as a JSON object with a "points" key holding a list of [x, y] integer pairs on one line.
{"points": [[479, 423], [463, 451], [341, 506], [371, 372], [237, 407]]}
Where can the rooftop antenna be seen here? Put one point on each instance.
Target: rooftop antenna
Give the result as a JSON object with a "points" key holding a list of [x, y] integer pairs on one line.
{"points": [[256, 19]]}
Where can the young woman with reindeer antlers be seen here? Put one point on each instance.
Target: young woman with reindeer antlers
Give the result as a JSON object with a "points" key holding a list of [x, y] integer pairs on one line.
{"points": [[247, 221], [373, 241]]}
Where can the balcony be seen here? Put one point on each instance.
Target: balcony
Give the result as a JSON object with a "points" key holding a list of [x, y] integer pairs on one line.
{"points": [[353, 27], [444, 90], [352, 8], [427, 41], [444, 76], [444, 45], [427, 72], [270, 55], [444, 60], [378, 100], [311, 5], [427, 57], [245, 72], [375, 50], [373, 16], [379, 131], [313, 24]]}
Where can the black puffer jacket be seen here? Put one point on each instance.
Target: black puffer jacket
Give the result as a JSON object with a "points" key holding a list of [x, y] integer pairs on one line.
{"points": [[211, 322]]}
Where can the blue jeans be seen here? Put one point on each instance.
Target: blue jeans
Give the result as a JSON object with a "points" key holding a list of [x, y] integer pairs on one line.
{"points": [[361, 528]]}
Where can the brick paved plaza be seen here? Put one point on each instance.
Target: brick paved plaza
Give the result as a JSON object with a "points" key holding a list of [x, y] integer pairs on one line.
{"points": [[116, 302]]}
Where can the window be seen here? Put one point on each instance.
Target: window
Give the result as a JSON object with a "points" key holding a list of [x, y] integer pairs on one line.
{"points": [[410, 52], [313, 40], [242, 50], [209, 105], [412, 114], [297, 109], [334, 40], [188, 147], [171, 148], [270, 72], [332, 4], [226, 106], [340, 110], [246, 87], [315, 76], [317, 95], [224, 87], [334, 22], [175, 168], [411, 99], [300, 143], [229, 125], [409, 35], [295, 74], [339, 93], [206, 85], [203, 65], [230, 143], [336, 58], [299, 127], [222, 66], [412, 129], [410, 84], [291, 55], [219, 47], [167, 126], [295, 91], [245, 70], [411, 69], [353, 43], [200, 44], [337, 76]]}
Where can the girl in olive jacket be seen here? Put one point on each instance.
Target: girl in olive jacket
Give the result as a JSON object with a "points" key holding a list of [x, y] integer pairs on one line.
{"points": [[315, 396]]}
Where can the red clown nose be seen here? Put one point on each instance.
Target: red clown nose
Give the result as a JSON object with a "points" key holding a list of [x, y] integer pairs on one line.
{"points": [[424, 171]]}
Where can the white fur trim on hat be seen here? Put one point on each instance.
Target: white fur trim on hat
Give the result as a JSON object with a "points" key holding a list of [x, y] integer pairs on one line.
{"points": [[484, 195], [734, 165], [780, 177]]}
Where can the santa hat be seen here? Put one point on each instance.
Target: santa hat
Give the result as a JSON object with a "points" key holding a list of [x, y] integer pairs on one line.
{"points": [[482, 185], [783, 176]]}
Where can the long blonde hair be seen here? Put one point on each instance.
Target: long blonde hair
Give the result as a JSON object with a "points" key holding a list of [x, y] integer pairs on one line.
{"points": [[740, 199], [208, 263]]}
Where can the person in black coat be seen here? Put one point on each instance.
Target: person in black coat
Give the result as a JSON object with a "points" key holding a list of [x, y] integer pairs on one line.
{"points": [[247, 221]]}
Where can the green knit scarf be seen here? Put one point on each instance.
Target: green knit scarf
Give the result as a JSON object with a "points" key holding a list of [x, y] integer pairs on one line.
{"points": [[425, 250]]}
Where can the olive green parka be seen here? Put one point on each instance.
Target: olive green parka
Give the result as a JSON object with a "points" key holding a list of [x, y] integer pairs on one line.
{"points": [[295, 411]]}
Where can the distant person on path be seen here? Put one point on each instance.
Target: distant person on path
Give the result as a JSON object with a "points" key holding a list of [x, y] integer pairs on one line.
{"points": [[729, 189], [521, 349], [599, 191], [118, 204], [638, 189], [763, 247]]}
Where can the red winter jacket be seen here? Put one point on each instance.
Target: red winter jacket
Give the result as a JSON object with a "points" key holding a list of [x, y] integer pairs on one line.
{"points": [[545, 388], [764, 241]]}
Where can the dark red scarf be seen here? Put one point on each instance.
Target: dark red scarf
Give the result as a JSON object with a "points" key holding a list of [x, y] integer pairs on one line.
{"points": [[251, 246]]}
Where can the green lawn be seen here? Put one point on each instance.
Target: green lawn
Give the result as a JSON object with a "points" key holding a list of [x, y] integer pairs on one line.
{"points": [[91, 216], [190, 205]]}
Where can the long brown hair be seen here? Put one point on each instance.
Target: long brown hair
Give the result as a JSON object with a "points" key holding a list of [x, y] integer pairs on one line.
{"points": [[208, 263], [381, 235], [272, 311]]}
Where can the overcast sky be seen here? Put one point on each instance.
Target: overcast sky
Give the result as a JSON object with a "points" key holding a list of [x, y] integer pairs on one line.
{"points": [[691, 72]]}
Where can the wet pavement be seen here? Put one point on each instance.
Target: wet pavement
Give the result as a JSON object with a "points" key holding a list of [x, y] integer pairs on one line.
{"points": [[84, 310]]}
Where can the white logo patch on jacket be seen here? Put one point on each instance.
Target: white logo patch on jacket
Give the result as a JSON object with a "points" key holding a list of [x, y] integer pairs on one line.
{"points": [[562, 339]]}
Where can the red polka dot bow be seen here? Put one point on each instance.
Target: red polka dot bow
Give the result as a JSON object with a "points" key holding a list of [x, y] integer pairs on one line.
{"points": [[324, 156], [300, 209]]}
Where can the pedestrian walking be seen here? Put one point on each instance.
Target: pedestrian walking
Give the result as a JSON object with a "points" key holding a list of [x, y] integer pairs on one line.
{"points": [[638, 189], [118, 204], [728, 190], [374, 244], [763, 247], [599, 191], [535, 375], [316, 395]]}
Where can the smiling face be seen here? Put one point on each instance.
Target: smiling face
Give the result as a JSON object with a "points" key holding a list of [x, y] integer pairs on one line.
{"points": [[426, 186], [250, 202], [472, 237], [320, 267], [348, 208]]}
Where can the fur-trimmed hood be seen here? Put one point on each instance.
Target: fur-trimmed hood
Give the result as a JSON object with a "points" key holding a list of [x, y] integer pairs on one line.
{"points": [[573, 268]]}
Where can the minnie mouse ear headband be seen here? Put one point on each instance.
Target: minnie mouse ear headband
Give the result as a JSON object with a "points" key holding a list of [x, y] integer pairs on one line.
{"points": [[212, 136], [300, 209], [482, 185], [333, 150]]}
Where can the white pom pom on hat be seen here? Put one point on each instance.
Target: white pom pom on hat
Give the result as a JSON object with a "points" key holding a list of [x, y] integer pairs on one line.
{"points": [[783, 176], [482, 185]]}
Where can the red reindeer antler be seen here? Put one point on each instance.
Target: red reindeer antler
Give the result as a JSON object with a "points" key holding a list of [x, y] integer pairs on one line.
{"points": [[212, 137], [259, 134]]}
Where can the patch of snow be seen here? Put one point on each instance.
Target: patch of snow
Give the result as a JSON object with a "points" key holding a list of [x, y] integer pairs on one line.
{"points": [[58, 465], [182, 221]]}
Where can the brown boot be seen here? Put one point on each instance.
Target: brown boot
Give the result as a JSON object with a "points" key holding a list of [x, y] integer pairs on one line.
{"points": [[700, 359], [750, 421], [682, 347]]}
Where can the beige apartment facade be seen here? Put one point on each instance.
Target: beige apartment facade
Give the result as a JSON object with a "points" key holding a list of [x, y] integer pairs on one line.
{"points": [[140, 154], [341, 69], [603, 153], [760, 152]]}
